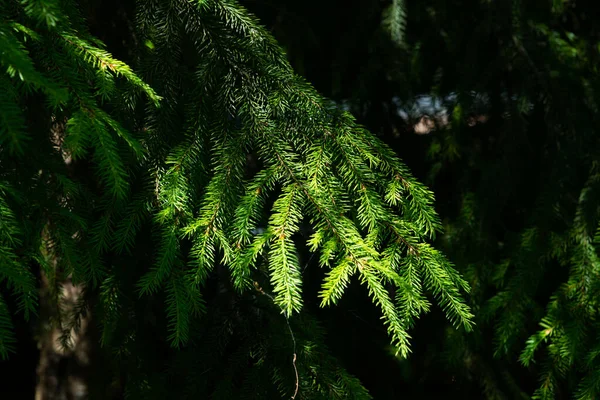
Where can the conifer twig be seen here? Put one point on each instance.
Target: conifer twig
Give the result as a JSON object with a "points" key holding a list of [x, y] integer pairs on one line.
{"points": [[293, 359], [294, 355]]}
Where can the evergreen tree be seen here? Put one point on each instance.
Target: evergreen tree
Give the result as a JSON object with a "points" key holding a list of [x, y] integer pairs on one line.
{"points": [[517, 193], [185, 197], [211, 202]]}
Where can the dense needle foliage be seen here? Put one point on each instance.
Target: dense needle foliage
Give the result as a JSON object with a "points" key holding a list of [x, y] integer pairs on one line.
{"points": [[514, 167], [193, 186], [166, 157]]}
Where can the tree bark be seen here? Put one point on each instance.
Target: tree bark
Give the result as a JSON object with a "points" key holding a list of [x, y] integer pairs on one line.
{"points": [[65, 343], [62, 370]]}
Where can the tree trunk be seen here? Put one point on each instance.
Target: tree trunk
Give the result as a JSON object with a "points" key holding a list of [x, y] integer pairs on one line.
{"points": [[64, 335], [62, 370]]}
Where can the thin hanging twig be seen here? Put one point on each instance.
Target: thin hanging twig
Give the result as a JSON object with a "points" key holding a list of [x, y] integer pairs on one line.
{"points": [[294, 356]]}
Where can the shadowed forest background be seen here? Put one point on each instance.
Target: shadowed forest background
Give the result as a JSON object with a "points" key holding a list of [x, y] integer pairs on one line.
{"points": [[492, 105]]}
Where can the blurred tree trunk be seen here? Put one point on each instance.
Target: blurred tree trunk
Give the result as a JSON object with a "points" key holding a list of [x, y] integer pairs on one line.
{"points": [[62, 370], [64, 329]]}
